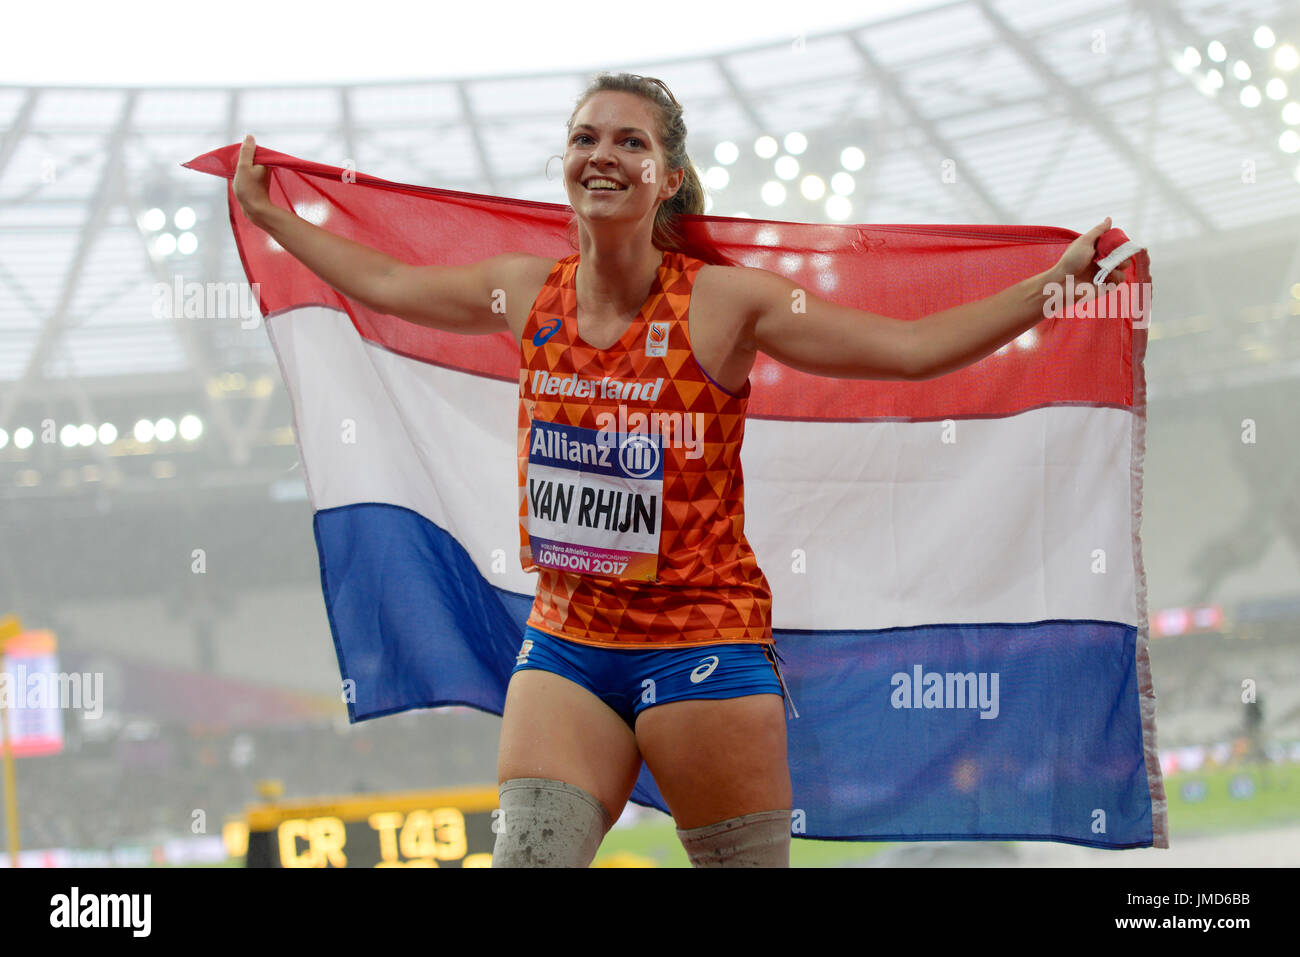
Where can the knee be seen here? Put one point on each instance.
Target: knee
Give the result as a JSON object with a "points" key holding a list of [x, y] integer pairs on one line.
{"points": [[548, 823], [761, 839]]}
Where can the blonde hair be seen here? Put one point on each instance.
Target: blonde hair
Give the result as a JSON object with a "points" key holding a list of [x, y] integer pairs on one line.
{"points": [[671, 133]]}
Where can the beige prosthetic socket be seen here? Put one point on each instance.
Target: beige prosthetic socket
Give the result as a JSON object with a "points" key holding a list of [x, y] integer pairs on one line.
{"points": [[548, 823], [761, 839]]}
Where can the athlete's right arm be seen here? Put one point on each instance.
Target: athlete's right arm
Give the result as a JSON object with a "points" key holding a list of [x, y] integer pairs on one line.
{"points": [[456, 298], [453, 298]]}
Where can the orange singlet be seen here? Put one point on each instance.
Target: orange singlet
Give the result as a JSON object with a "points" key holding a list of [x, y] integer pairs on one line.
{"points": [[631, 499]]}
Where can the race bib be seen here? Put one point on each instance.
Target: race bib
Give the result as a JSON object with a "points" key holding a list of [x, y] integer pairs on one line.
{"points": [[595, 500]]}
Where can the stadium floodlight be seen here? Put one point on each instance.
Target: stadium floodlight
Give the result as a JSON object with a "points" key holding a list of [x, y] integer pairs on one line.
{"points": [[1216, 51], [1264, 38], [852, 158], [186, 243], [726, 152], [1250, 96], [773, 193], [1276, 88], [314, 212], [787, 167], [765, 147], [795, 143], [153, 219], [68, 435], [164, 430], [812, 187], [143, 431], [184, 218], [23, 437], [191, 427], [107, 433], [1210, 83], [843, 184], [86, 435], [1286, 58], [838, 208]]}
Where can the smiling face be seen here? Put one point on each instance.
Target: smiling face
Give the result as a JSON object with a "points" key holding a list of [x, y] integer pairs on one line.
{"points": [[612, 138]]}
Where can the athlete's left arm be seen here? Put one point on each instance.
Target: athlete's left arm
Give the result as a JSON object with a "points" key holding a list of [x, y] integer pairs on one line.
{"points": [[844, 343], [796, 328]]}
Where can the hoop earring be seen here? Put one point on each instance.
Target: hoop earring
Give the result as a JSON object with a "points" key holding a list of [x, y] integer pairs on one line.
{"points": [[546, 170]]}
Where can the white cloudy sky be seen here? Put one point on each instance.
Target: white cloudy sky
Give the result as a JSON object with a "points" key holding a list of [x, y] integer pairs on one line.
{"points": [[255, 42]]}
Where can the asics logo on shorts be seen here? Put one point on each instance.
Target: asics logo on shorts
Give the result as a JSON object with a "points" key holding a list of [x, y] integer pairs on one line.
{"points": [[704, 670], [526, 647]]}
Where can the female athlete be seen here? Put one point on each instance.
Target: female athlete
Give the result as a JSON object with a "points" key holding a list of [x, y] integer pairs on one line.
{"points": [[671, 661]]}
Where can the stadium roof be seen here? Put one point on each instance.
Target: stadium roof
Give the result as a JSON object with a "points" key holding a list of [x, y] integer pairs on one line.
{"points": [[969, 112]]}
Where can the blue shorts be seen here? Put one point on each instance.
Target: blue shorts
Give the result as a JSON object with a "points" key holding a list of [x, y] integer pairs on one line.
{"points": [[631, 680]]}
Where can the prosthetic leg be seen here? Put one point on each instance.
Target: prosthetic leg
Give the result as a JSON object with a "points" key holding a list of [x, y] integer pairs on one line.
{"points": [[761, 839], [548, 823]]}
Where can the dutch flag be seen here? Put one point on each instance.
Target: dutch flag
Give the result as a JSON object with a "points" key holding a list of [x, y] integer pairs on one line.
{"points": [[958, 590]]}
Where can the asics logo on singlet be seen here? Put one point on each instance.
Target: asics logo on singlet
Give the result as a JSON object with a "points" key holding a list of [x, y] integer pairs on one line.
{"points": [[704, 670], [546, 331]]}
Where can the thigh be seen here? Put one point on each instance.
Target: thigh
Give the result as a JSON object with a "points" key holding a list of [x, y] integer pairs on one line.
{"points": [[554, 728], [717, 759]]}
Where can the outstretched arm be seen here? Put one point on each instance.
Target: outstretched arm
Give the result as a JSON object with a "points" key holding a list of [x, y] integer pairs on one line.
{"points": [[812, 335], [785, 321], [451, 298], [955, 338]]}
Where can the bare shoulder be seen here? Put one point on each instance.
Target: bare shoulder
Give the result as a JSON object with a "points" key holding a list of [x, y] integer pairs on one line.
{"points": [[521, 277], [733, 297], [742, 288], [525, 265]]}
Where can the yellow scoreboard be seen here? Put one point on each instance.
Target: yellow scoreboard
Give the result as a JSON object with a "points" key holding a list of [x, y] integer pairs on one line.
{"points": [[452, 828]]}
